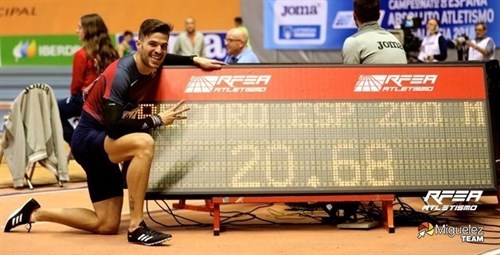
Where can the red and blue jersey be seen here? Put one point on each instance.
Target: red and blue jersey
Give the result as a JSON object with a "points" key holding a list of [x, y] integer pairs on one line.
{"points": [[121, 83]]}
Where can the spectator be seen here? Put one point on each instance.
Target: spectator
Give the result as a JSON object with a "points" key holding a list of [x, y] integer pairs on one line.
{"points": [[190, 42], [88, 62], [433, 47], [371, 44], [238, 23], [237, 51], [125, 47], [483, 47]]}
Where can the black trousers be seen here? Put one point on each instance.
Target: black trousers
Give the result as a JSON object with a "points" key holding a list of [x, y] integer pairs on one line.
{"points": [[68, 108]]}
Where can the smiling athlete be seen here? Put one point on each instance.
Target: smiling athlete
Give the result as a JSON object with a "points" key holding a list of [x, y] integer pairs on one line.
{"points": [[104, 137]]}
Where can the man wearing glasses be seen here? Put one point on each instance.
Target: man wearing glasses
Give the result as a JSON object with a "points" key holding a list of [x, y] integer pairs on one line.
{"points": [[483, 47], [237, 50]]}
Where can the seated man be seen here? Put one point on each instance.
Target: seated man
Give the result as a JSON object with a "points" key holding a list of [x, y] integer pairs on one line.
{"points": [[237, 50], [371, 44]]}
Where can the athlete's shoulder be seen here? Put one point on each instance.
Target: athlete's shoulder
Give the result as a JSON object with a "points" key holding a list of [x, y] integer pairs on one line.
{"points": [[120, 65], [126, 62]]}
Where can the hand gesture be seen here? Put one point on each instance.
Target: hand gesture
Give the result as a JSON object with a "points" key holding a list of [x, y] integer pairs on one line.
{"points": [[208, 64], [169, 116]]}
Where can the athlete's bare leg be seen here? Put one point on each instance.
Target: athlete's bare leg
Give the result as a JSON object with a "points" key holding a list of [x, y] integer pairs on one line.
{"points": [[104, 220], [139, 149]]}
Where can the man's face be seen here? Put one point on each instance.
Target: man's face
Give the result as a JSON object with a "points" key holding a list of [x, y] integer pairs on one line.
{"points": [[190, 26], [480, 31], [127, 38], [234, 44], [152, 49], [432, 26]]}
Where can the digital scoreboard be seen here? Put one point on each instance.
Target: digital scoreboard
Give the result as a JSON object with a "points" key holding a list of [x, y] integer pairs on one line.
{"points": [[269, 130]]}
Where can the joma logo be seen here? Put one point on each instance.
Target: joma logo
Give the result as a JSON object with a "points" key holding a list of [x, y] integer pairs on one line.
{"points": [[296, 10]]}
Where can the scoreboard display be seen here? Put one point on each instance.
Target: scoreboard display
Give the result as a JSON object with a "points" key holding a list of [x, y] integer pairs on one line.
{"points": [[322, 129]]}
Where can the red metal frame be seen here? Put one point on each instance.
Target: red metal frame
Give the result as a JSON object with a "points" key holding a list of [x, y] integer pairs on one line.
{"points": [[208, 207], [386, 199]]}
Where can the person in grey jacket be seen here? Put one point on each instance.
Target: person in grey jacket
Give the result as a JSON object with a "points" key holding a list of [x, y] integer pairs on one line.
{"points": [[371, 44], [190, 42]]}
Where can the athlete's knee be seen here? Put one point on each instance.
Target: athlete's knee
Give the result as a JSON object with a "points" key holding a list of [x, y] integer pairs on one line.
{"points": [[108, 227], [145, 144], [144, 140]]}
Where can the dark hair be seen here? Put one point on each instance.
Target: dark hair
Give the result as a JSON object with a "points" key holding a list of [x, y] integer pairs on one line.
{"points": [[238, 20], [97, 41], [151, 26], [367, 10], [127, 32], [482, 23]]}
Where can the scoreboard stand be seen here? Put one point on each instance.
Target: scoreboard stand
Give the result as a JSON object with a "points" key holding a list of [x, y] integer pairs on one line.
{"points": [[386, 199], [201, 208], [310, 129]]}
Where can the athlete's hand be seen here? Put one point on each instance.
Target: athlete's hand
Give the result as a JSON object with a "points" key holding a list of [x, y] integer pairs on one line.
{"points": [[208, 64], [173, 113]]}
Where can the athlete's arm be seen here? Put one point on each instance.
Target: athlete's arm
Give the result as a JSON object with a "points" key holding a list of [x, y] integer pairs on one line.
{"points": [[178, 60], [204, 63], [117, 126]]}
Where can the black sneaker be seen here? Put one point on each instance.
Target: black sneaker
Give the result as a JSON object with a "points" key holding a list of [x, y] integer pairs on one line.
{"points": [[22, 216], [144, 235]]}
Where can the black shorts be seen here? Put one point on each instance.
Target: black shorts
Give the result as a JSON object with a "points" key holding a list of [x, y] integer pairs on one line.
{"points": [[104, 177]]}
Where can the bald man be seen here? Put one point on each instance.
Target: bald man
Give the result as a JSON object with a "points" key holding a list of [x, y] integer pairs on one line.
{"points": [[190, 42], [237, 50]]}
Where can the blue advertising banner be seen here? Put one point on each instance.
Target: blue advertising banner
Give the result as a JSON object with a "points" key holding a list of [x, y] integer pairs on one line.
{"points": [[325, 24]]}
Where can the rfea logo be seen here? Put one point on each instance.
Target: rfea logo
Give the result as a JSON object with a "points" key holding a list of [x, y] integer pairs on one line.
{"points": [[462, 197], [396, 83], [228, 84]]}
